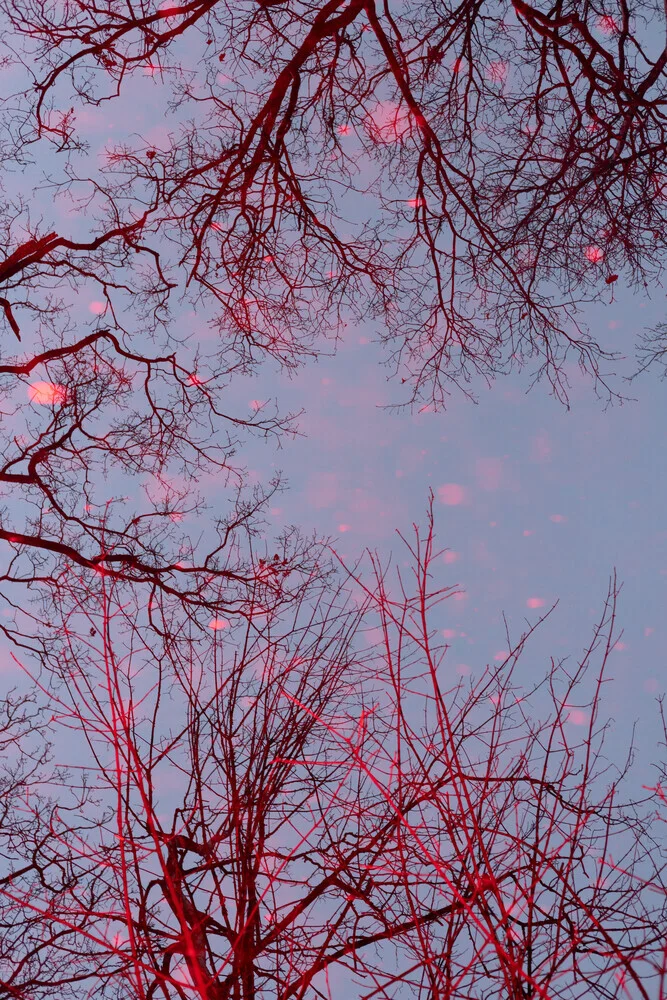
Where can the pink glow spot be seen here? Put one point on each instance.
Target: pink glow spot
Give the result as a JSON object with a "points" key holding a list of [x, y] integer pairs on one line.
{"points": [[527, 533], [620, 646], [150, 69], [216, 227], [557, 518], [46, 393], [193, 380], [463, 669], [497, 71], [216, 624], [608, 25], [648, 631], [449, 633], [489, 472], [460, 595], [494, 699], [535, 602], [363, 340], [388, 122], [451, 494], [416, 202], [256, 404], [594, 254], [450, 557], [344, 129], [501, 655], [577, 717], [344, 527], [97, 308]]}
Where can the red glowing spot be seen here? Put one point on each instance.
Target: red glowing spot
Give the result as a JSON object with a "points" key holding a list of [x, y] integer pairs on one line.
{"points": [[460, 595], [193, 380], [216, 624], [528, 532], [594, 254], [608, 25], [577, 717], [449, 633], [256, 404], [557, 518], [451, 494], [97, 308], [269, 259], [416, 202], [497, 71], [150, 69], [501, 655], [535, 602], [344, 527], [388, 122], [620, 646], [47, 393], [450, 557], [344, 129]]}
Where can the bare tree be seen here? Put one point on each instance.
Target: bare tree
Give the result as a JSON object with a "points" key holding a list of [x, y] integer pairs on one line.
{"points": [[294, 808], [465, 174], [511, 157]]}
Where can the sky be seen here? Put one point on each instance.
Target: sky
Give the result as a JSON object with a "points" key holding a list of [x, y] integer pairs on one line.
{"points": [[535, 503]]}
